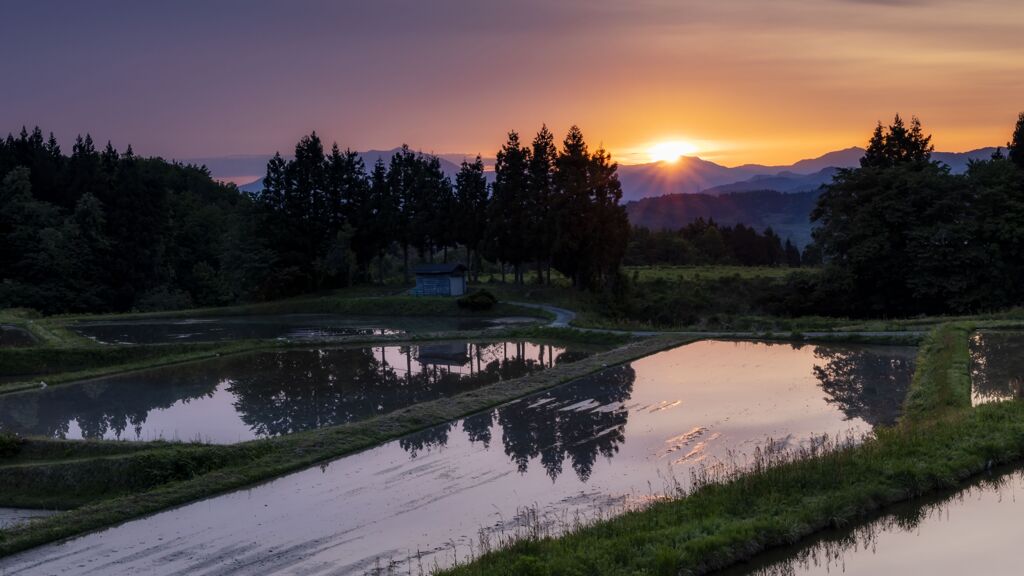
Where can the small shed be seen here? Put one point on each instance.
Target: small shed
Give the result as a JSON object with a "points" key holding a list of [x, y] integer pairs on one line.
{"points": [[440, 280]]}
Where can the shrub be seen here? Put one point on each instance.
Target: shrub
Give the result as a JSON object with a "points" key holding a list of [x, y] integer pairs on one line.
{"points": [[10, 444], [479, 300]]}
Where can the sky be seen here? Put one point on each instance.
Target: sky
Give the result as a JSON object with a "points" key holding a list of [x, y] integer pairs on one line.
{"points": [[766, 81]]}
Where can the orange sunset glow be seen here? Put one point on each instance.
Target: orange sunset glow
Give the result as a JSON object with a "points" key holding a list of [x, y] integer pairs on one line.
{"points": [[766, 82]]}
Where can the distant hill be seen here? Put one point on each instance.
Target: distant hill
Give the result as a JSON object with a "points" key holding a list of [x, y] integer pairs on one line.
{"points": [[691, 175], [687, 176], [788, 182], [786, 213], [247, 170]]}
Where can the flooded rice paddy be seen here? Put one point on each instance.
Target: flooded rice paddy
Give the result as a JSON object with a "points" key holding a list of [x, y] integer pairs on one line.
{"points": [[284, 326], [997, 366], [973, 531], [248, 396], [15, 337], [590, 448]]}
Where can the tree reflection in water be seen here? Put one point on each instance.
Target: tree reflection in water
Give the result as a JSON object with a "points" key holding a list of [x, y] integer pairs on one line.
{"points": [[866, 383], [586, 418], [997, 366], [102, 408], [277, 393], [575, 422]]}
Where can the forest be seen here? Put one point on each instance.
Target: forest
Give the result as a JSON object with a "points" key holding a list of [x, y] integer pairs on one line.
{"points": [[704, 242], [98, 231], [901, 235], [105, 230]]}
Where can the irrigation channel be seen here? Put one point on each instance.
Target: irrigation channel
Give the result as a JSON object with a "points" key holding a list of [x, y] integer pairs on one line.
{"points": [[588, 449]]}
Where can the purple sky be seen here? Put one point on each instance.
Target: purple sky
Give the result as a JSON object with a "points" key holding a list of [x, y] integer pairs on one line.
{"points": [[744, 80]]}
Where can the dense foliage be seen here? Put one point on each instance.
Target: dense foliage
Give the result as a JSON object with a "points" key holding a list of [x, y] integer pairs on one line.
{"points": [[786, 213], [902, 235], [323, 219], [109, 231], [707, 242], [97, 231]]}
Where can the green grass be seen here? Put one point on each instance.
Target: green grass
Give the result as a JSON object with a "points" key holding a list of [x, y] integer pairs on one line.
{"points": [[349, 302], [564, 335], [779, 499], [108, 484], [647, 273], [940, 441]]}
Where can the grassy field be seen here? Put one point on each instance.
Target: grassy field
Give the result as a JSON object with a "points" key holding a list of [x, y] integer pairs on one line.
{"points": [[734, 513], [672, 273], [110, 482], [706, 298]]}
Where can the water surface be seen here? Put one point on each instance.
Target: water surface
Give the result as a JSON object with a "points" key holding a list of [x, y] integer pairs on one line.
{"points": [[997, 366], [263, 394], [974, 531], [592, 447], [282, 326]]}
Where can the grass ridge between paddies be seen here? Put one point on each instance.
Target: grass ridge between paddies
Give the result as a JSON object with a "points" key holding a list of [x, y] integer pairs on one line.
{"points": [[116, 481], [778, 500]]}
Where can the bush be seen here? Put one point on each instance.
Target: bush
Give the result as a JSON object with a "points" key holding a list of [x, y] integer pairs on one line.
{"points": [[479, 300], [10, 444]]}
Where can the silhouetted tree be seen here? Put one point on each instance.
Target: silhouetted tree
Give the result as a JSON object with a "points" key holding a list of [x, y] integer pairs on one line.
{"points": [[1015, 147], [470, 215], [792, 255], [507, 213], [540, 199], [903, 235]]}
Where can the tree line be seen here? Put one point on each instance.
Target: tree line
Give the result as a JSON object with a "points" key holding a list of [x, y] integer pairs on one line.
{"points": [[101, 230], [704, 242], [902, 235], [104, 230], [325, 220]]}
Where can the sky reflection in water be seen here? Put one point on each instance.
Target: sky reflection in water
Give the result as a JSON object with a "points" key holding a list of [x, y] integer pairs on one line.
{"points": [[593, 447]]}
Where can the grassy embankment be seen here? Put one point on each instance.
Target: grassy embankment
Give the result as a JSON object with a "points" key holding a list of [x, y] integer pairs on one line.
{"points": [[109, 482], [707, 298], [734, 514], [62, 355]]}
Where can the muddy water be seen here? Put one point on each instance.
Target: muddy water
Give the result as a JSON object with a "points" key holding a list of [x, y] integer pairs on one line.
{"points": [[284, 326], [15, 337], [264, 394], [997, 366], [975, 531], [594, 446]]}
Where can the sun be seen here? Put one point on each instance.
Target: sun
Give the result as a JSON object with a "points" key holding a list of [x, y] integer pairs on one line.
{"points": [[670, 151]]}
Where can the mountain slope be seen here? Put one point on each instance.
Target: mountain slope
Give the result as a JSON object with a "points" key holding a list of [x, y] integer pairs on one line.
{"points": [[787, 214], [687, 176], [788, 182]]}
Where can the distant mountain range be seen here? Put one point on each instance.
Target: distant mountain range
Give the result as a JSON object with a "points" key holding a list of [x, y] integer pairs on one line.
{"points": [[788, 214], [689, 175], [247, 170], [781, 197], [661, 195]]}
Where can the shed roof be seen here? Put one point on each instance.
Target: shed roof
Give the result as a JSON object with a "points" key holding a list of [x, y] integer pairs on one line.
{"points": [[438, 269]]}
